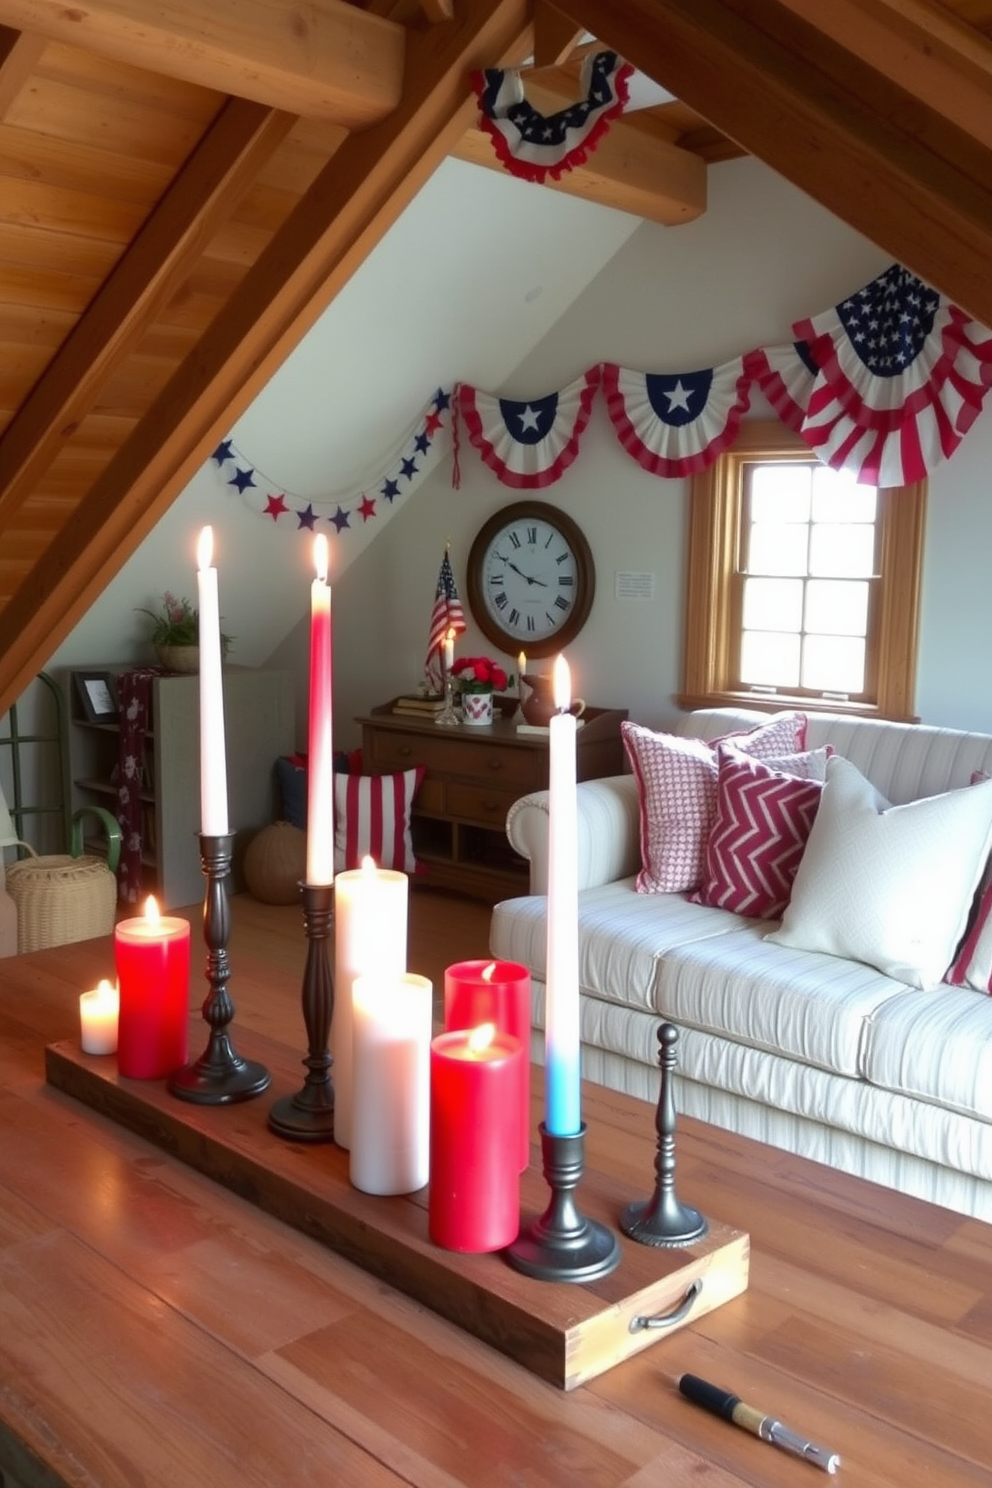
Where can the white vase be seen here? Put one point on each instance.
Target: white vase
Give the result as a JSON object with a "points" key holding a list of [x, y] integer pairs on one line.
{"points": [[477, 708]]}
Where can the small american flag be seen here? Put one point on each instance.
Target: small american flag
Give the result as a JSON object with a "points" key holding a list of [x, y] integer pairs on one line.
{"points": [[446, 615]]}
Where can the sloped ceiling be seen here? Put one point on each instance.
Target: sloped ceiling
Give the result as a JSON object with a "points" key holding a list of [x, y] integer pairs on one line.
{"points": [[181, 197]]}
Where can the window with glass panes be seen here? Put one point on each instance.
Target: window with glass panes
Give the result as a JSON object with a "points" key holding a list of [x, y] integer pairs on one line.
{"points": [[808, 563], [801, 583]]}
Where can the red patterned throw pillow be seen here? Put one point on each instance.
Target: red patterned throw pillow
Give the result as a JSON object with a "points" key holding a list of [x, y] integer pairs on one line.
{"points": [[677, 786], [763, 819], [372, 817]]}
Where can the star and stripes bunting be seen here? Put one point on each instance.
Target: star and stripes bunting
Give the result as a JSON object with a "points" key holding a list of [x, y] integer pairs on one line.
{"points": [[446, 615], [534, 145], [901, 376], [676, 423], [530, 443]]}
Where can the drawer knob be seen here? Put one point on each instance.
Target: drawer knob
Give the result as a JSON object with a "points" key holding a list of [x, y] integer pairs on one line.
{"points": [[494, 763], [406, 750]]}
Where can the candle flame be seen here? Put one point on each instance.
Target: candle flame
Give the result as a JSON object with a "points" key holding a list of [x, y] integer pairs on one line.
{"points": [[480, 1038], [489, 972], [450, 636], [152, 915], [104, 989], [320, 556], [562, 685], [205, 549], [368, 864]]}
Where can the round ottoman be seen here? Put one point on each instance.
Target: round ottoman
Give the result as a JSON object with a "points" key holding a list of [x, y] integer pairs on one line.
{"points": [[61, 899], [275, 863]]}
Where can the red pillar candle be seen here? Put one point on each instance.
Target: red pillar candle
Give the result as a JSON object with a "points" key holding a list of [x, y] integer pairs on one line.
{"points": [[152, 955], [474, 1198], [477, 992]]}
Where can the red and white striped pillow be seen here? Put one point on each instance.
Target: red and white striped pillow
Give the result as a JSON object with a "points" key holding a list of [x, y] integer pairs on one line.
{"points": [[372, 816], [762, 822], [676, 782]]}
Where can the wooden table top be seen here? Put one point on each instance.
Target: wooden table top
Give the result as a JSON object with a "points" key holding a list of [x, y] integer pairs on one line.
{"points": [[157, 1329]]}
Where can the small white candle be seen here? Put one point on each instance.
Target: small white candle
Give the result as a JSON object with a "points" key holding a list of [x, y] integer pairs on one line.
{"points": [[320, 755], [213, 762], [98, 1013], [370, 932], [390, 1139], [521, 668], [561, 1020], [449, 652]]}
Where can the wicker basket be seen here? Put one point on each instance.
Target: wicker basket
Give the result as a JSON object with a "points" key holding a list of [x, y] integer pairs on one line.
{"points": [[61, 899]]}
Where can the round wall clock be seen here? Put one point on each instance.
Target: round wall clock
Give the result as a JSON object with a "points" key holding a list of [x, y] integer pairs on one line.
{"points": [[531, 579]]}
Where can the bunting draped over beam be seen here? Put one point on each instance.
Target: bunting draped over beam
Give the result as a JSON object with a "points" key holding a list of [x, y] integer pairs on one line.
{"points": [[885, 385], [536, 146]]}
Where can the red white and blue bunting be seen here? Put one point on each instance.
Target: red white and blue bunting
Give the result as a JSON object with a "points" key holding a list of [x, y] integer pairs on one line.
{"points": [[414, 457], [534, 145], [675, 423], [528, 444], [885, 385]]}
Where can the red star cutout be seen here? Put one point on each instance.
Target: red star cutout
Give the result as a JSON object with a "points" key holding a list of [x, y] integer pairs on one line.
{"points": [[366, 507], [275, 506], [433, 423]]}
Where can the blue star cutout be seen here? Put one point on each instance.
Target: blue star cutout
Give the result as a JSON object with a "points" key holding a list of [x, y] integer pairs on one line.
{"points": [[408, 468], [442, 399], [390, 490], [223, 452], [307, 518], [340, 519], [242, 478], [422, 444]]}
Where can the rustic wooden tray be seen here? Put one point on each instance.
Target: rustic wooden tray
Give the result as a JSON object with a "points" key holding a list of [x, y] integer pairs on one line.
{"points": [[565, 1333]]}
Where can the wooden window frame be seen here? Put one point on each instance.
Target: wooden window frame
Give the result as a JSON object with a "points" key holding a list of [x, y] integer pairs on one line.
{"points": [[712, 611]]}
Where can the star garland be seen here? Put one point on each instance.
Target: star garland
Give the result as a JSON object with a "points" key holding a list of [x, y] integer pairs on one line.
{"points": [[416, 455]]}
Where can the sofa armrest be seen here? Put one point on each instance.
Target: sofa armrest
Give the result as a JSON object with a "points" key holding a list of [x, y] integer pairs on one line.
{"points": [[608, 832]]}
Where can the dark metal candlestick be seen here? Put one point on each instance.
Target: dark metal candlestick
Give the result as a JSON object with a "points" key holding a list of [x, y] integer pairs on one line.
{"points": [[663, 1220], [219, 1076], [563, 1245], [308, 1116]]}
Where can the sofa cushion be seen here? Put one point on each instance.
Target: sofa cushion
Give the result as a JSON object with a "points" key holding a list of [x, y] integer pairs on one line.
{"points": [[677, 783], [808, 1006], [890, 887], [372, 817], [760, 827], [622, 935], [934, 1046]]}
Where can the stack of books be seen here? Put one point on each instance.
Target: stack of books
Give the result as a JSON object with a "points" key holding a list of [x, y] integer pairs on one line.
{"points": [[419, 704]]}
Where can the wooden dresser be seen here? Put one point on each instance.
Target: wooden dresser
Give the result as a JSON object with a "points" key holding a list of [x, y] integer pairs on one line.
{"points": [[474, 775]]}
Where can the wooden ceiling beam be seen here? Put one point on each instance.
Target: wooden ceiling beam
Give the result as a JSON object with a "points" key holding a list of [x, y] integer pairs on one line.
{"points": [[198, 201], [351, 204], [634, 168], [325, 60], [900, 171], [18, 55], [555, 35]]}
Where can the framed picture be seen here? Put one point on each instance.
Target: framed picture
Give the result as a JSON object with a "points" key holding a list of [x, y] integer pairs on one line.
{"points": [[98, 695]]}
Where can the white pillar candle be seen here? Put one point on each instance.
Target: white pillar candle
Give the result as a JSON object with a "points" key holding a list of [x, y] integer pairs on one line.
{"points": [[370, 928], [390, 1138], [213, 762], [98, 1013], [561, 1019], [449, 652], [320, 747]]}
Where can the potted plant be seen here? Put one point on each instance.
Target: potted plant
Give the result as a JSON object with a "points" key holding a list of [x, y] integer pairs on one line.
{"points": [[176, 634], [478, 677]]}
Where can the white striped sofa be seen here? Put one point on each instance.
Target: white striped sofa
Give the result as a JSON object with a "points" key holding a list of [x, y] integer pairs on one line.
{"points": [[809, 1052]]}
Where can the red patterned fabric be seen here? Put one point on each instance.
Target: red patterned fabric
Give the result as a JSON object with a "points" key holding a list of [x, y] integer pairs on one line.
{"points": [[677, 786], [372, 817], [134, 691], [762, 822]]}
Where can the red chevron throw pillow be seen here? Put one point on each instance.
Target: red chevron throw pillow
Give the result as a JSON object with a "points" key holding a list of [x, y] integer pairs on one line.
{"points": [[763, 818]]}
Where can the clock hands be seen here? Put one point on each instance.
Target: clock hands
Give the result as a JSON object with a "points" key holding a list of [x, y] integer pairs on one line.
{"points": [[510, 564]]}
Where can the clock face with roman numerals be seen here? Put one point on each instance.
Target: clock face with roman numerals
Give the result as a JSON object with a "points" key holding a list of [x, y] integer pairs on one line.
{"points": [[531, 579]]}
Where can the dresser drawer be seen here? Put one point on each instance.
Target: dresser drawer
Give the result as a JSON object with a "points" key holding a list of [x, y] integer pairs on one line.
{"points": [[484, 804], [520, 770]]}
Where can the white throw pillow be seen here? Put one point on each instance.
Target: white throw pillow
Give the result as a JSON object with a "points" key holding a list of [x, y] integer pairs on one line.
{"points": [[891, 886]]}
